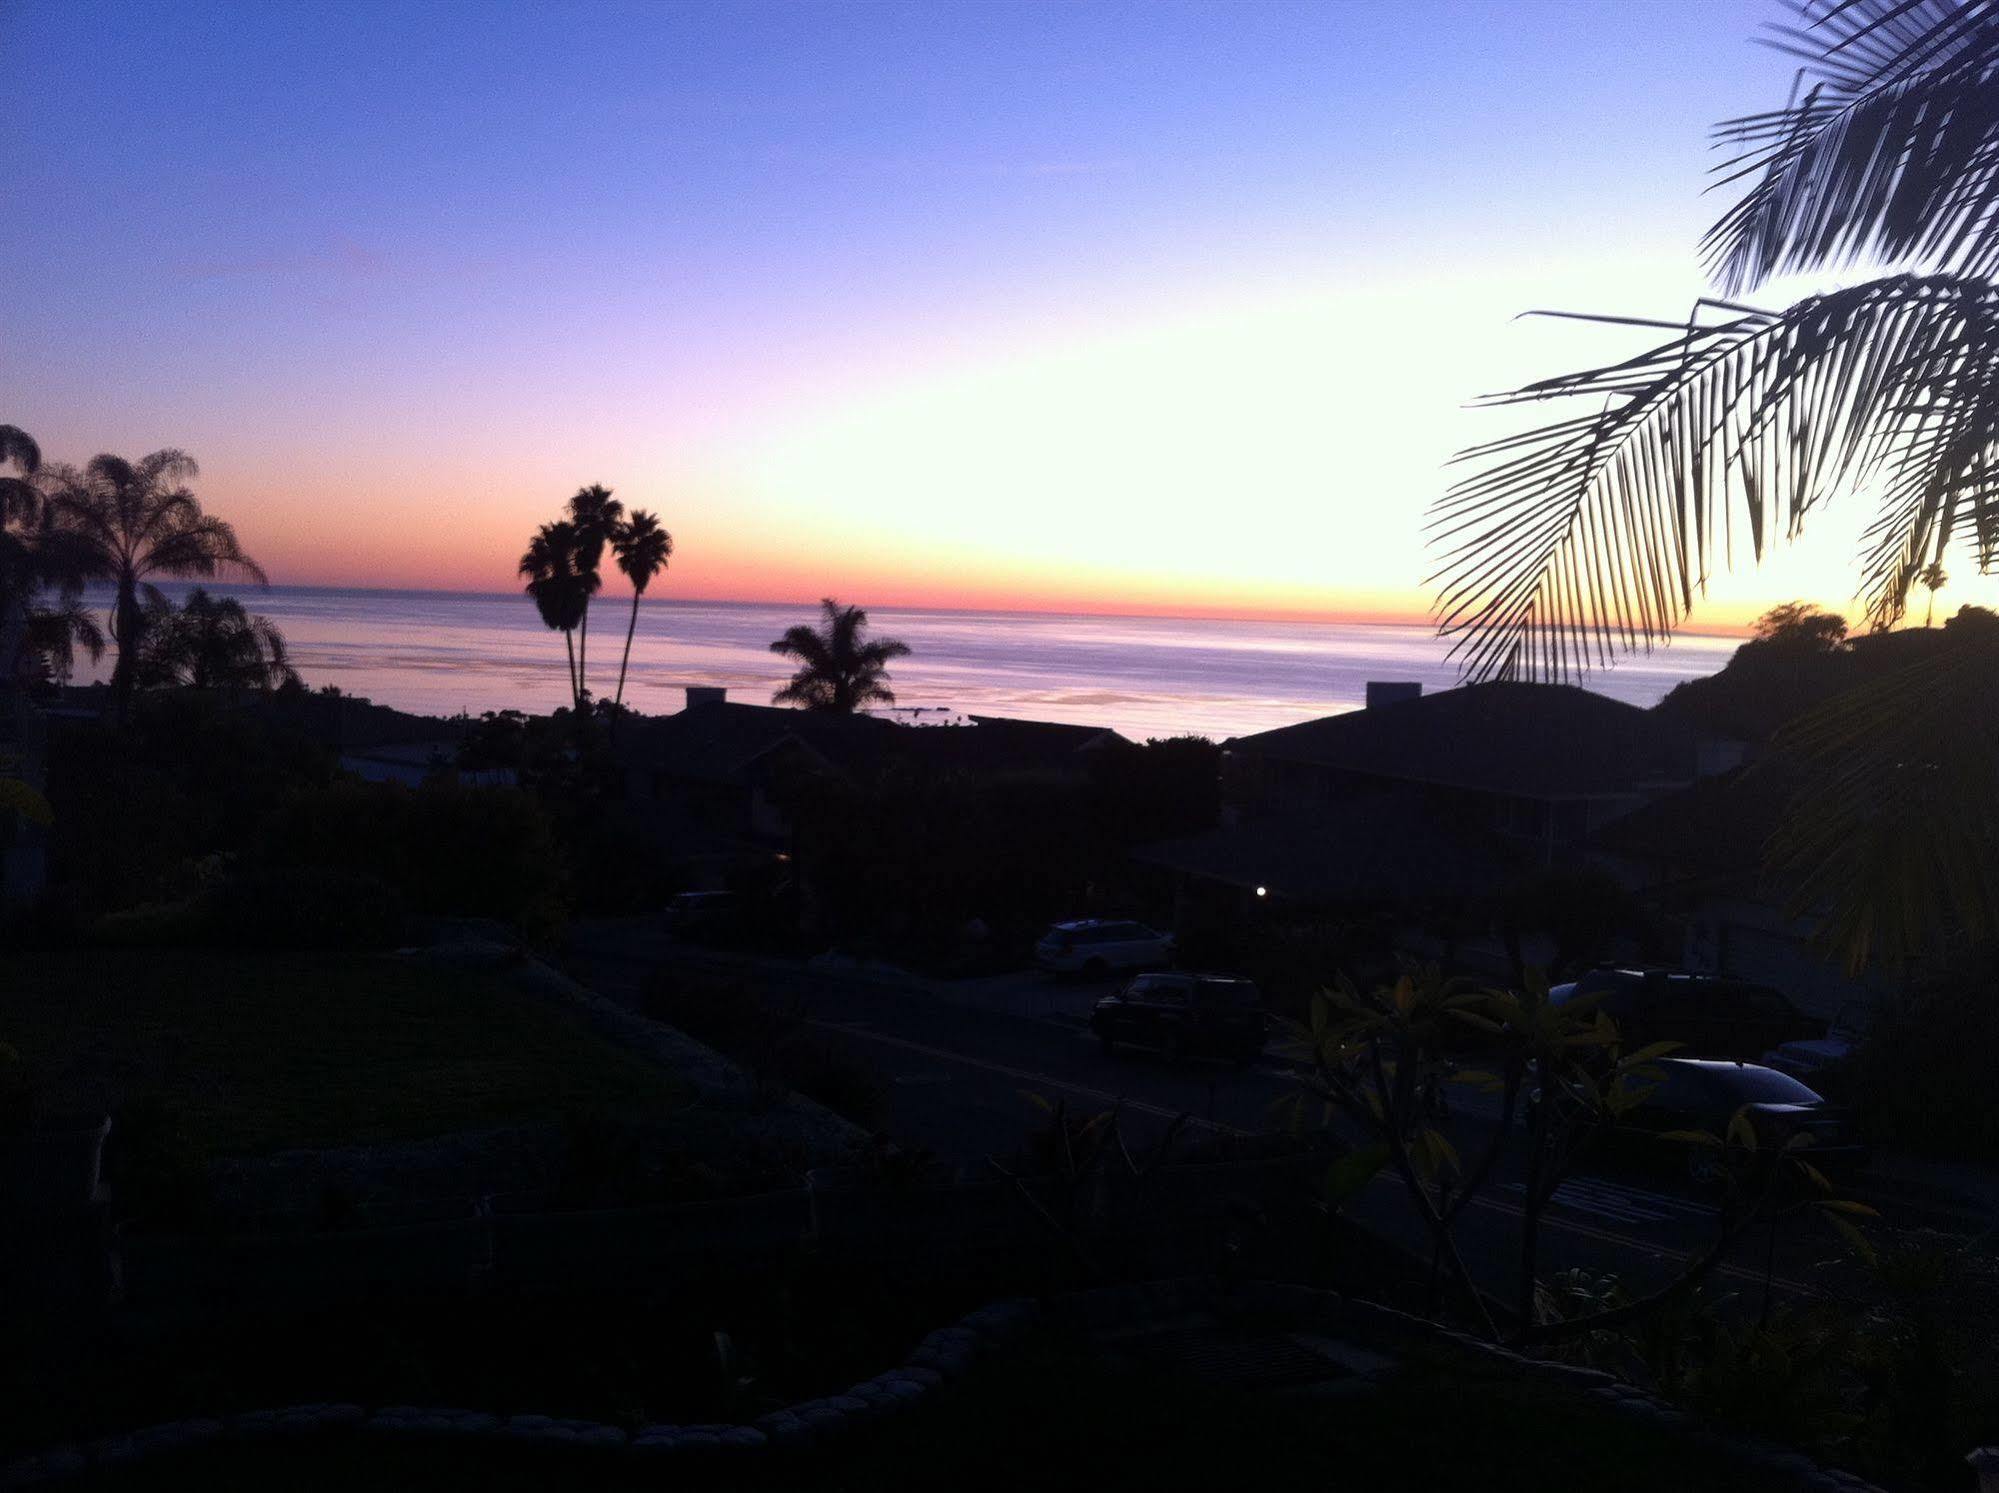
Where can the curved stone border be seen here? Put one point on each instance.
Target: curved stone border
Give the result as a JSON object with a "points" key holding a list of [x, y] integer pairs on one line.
{"points": [[1119, 1306], [941, 1357]]}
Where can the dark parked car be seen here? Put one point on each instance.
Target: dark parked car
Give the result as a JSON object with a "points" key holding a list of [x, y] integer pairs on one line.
{"points": [[705, 914], [1185, 1014], [1705, 1094], [1708, 1015]]}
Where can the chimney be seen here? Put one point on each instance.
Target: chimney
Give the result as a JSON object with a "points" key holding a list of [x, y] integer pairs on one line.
{"points": [[1391, 692], [706, 694]]}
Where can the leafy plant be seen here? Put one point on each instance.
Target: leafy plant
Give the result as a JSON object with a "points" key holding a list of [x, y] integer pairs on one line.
{"points": [[1379, 1060]]}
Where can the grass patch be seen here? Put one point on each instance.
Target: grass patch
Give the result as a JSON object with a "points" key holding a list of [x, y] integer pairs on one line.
{"points": [[262, 1051]]}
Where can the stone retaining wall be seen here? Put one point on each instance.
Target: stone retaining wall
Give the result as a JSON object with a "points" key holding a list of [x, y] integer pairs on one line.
{"points": [[942, 1357]]}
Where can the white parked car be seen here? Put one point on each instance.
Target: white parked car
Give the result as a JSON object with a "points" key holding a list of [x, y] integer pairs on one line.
{"points": [[1097, 946]]}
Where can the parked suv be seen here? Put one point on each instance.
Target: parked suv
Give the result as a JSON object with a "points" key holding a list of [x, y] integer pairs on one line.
{"points": [[1096, 946], [1825, 1058], [1186, 1015], [1708, 1015]]}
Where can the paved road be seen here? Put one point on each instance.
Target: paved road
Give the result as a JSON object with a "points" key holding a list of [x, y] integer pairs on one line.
{"points": [[960, 1059]]}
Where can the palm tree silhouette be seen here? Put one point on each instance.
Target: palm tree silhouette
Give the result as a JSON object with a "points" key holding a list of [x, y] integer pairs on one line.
{"points": [[42, 572], [140, 519], [20, 507], [596, 516], [211, 642], [839, 672], [553, 569], [1933, 580], [642, 548], [1593, 534]]}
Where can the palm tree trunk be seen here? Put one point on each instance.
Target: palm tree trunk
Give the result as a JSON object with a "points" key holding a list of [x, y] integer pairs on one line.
{"points": [[575, 690], [124, 633], [583, 654], [626, 662]]}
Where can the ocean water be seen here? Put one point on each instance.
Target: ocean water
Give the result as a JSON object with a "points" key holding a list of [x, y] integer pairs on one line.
{"points": [[439, 652]]}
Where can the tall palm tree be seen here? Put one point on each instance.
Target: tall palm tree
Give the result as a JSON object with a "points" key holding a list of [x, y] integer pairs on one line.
{"points": [[141, 520], [20, 506], [1593, 534], [839, 671], [42, 571], [642, 548], [552, 567], [211, 642], [596, 516]]}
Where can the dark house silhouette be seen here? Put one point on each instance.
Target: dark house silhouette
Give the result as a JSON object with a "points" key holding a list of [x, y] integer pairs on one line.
{"points": [[1542, 766], [712, 779], [1429, 801]]}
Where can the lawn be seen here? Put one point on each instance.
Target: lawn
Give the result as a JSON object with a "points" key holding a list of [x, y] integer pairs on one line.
{"points": [[264, 1051]]}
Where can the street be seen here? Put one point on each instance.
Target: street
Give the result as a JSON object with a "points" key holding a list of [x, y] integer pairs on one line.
{"points": [[959, 1060]]}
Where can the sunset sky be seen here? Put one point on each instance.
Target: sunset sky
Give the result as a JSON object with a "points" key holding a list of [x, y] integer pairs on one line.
{"points": [[1152, 307]]}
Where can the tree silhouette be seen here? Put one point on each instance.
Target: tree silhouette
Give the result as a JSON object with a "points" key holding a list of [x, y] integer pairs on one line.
{"points": [[137, 520], [552, 567], [596, 516], [211, 642], [1593, 534], [642, 548], [42, 572], [839, 671], [1933, 580]]}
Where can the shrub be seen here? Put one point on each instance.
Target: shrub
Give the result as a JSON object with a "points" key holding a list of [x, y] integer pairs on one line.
{"points": [[301, 907], [188, 777], [770, 1040], [1923, 1078], [304, 907], [446, 848]]}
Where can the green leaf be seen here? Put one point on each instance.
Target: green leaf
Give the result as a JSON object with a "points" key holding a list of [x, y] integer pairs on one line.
{"points": [[1647, 1053], [1846, 1205], [17, 798], [1740, 1131], [1443, 1149], [1693, 1138], [1862, 1246], [1347, 1176]]}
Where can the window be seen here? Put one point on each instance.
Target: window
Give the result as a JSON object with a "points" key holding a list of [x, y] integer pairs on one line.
{"points": [[1230, 993]]}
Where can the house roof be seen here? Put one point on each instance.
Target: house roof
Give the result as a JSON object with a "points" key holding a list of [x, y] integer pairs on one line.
{"points": [[1529, 740], [1384, 847], [719, 741]]}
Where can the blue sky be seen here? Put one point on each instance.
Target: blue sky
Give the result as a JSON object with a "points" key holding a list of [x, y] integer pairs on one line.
{"points": [[830, 284]]}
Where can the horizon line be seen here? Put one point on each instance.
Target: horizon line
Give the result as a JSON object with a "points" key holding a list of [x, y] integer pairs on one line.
{"points": [[1280, 615]]}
